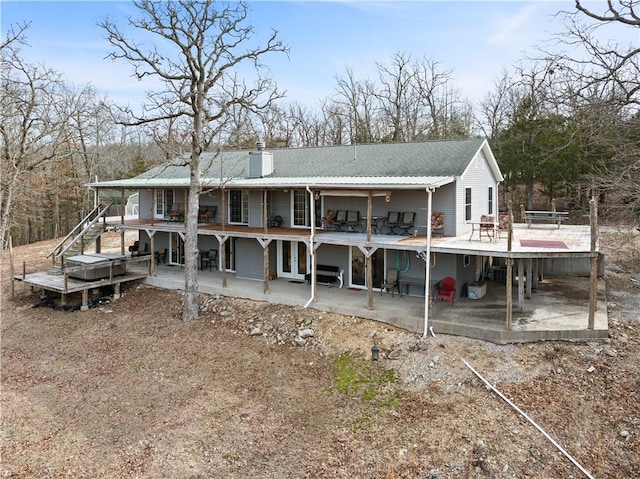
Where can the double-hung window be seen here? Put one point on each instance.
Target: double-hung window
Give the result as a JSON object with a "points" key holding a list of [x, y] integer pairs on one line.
{"points": [[490, 198], [467, 204]]}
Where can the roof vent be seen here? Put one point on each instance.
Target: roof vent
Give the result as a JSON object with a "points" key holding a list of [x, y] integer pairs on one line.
{"points": [[260, 145]]}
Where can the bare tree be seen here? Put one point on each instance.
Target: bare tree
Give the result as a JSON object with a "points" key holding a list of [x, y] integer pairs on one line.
{"points": [[202, 83], [29, 124]]}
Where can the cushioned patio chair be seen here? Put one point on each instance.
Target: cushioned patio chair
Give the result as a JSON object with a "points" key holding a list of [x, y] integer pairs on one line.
{"points": [[437, 224], [446, 289], [328, 222]]}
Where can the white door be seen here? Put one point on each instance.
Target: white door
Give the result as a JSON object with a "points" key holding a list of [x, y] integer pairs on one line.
{"points": [[293, 259]]}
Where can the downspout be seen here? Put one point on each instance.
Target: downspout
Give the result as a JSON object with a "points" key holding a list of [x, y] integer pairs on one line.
{"points": [[312, 250], [427, 262]]}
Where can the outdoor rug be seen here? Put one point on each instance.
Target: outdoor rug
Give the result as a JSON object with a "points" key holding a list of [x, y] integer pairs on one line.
{"points": [[543, 244]]}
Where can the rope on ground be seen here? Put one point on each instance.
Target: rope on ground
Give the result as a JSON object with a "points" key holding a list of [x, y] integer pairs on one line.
{"points": [[510, 403]]}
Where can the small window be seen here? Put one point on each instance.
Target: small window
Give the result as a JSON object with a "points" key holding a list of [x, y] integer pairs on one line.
{"points": [[467, 204], [466, 260], [490, 200]]}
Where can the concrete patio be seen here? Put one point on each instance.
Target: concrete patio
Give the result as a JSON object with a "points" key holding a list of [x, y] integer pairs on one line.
{"points": [[557, 310]]}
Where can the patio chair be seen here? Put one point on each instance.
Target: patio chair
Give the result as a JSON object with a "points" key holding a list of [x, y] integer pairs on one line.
{"points": [[503, 224], [353, 221], [209, 259], [437, 224], [341, 219], [207, 214], [446, 289], [488, 225], [133, 249], [276, 221], [391, 282], [161, 255], [329, 220], [392, 221], [406, 222]]}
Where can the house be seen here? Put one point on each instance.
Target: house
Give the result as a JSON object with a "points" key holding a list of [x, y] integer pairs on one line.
{"points": [[351, 217]]}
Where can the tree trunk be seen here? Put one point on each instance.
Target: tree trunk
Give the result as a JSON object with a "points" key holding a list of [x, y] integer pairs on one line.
{"points": [[191, 308]]}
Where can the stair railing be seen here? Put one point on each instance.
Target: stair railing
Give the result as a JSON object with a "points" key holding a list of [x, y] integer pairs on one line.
{"points": [[77, 233]]}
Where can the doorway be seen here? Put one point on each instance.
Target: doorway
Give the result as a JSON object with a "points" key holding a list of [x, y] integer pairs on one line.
{"points": [[293, 259], [176, 249], [359, 268]]}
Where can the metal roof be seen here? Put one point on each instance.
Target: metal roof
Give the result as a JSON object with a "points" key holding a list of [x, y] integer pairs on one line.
{"points": [[421, 164]]}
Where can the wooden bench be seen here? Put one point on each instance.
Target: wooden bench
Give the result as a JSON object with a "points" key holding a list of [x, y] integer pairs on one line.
{"points": [[545, 216], [328, 275]]}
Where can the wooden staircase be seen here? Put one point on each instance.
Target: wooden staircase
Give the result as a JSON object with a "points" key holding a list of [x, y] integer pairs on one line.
{"points": [[81, 237]]}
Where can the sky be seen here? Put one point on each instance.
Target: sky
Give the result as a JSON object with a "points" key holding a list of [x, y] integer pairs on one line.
{"points": [[474, 39]]}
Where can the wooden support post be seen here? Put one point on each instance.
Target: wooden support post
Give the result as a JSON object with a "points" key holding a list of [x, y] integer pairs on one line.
{"points": [[509, 285], [85, 300], [369, 210], [520, 284], [63, 299], [152, 264], [370, 281], [223, 262], [11, 270], [529, 273], [265, 215], [116, 290], [593, 287], [265, 274], [535, 273]]}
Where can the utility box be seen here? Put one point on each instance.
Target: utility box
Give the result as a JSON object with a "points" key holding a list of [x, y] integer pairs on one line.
{"points": [[477, 289]]}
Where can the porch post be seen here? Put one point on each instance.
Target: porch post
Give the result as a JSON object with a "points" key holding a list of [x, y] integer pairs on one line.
{"points": [[427, 265], [529, 270], [265, 248], [520, 284], [509, 285], [593, 288], [122, 223], [369, 257]]}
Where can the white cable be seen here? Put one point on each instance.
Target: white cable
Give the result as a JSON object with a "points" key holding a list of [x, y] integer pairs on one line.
{"points": [[584, 471]]}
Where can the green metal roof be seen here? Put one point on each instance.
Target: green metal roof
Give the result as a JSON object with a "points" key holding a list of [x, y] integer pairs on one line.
{"points": [[399, 162]]}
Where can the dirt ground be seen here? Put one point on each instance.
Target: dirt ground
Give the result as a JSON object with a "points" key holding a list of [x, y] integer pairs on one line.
{"points": [[251, 389]]}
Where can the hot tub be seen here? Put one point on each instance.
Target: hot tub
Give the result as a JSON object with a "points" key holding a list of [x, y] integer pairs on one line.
{"points": [[97, 266]]}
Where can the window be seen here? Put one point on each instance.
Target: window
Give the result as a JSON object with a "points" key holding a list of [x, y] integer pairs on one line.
{"points": [[164, 202], [467, 204], [466, 260], [300, 208], [490, 200], [238, 207]]}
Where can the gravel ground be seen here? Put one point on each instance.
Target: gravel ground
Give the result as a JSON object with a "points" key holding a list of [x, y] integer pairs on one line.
{"points": [[252, 389]]}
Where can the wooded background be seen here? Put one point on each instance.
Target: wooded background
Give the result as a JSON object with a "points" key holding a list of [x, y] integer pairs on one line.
{"points": [[561, 127]]}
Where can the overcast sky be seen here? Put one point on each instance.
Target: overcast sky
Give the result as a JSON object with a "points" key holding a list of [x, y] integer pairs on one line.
{"points": [[475, 39]]}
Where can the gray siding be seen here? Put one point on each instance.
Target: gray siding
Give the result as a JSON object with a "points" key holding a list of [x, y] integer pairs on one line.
{"points": [[249, 258], [478, 177]]}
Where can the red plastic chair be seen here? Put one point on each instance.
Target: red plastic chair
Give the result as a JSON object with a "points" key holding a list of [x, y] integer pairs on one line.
{"points": [[446, 289]]}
